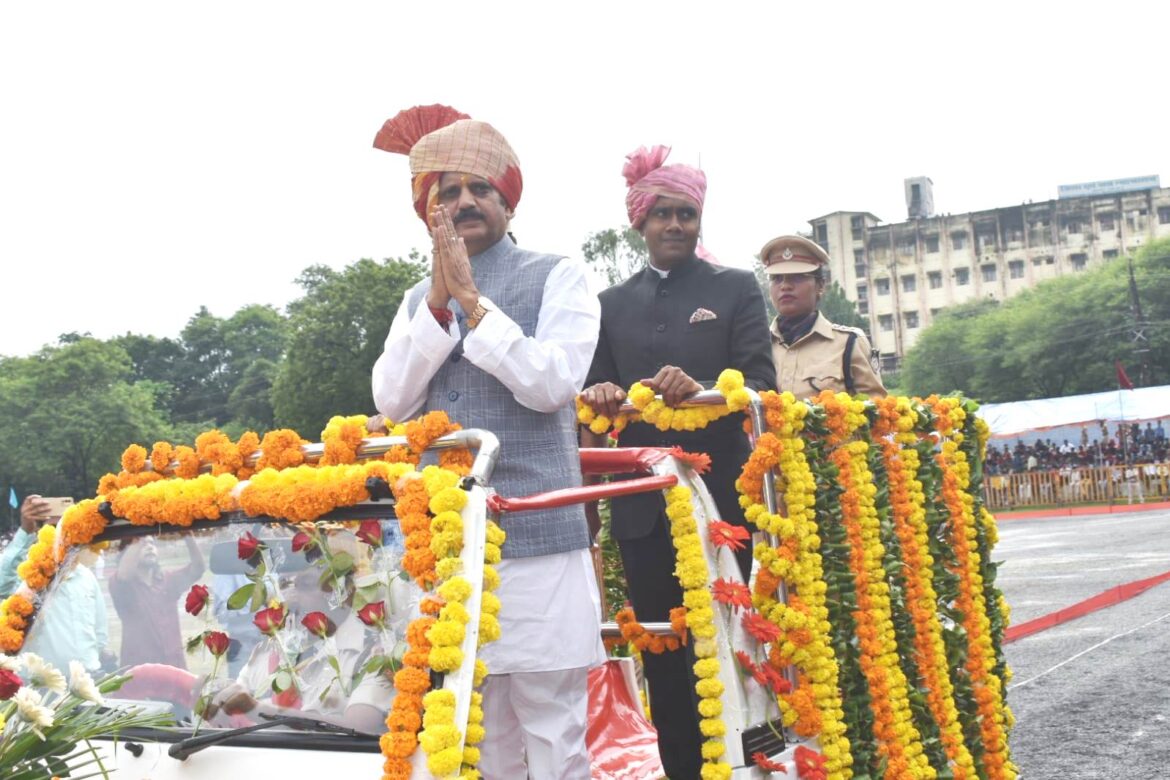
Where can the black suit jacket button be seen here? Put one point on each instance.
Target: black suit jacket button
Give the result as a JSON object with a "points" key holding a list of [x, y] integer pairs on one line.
{"points": [[661, 327], [453, 395]]}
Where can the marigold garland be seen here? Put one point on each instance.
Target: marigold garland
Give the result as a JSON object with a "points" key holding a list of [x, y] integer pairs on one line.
{"points": [[655, 412], [814, 707], [643, 641], [993, 715], [893, 430], [694, 576]]}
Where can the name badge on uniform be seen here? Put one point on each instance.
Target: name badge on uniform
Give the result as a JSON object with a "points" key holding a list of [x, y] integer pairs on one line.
{"points": [[702, 315]]}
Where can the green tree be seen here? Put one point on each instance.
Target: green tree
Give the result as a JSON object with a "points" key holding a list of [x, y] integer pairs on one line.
{"points": [[840, 309], [66, 414], [616, 254], [1059, 338], [216, 356], [337, 330], [940, 361]]}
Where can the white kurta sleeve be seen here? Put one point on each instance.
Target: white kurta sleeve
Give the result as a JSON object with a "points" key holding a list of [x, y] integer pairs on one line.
{"points": [[415, 350], [547, 370]]}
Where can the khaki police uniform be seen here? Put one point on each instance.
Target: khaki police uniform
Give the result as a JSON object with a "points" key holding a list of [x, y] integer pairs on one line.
{"points": [[824, 359], [828, 357]]}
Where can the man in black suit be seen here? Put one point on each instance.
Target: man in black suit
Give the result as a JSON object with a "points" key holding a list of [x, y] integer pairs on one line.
{"points": [[674, 326]]}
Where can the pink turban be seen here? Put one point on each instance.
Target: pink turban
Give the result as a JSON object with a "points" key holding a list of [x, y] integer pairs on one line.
{"points": [[440, 139], [648, 179]]}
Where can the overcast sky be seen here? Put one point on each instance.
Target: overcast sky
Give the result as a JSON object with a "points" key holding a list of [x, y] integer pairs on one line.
{"points": [[156, 157]]}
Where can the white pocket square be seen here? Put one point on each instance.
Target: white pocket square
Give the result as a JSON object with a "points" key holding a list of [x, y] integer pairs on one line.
{"points": [[702, 315]]}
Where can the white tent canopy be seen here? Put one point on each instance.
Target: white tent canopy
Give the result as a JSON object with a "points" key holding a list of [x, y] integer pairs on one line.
{"points": [[1144, 403]]}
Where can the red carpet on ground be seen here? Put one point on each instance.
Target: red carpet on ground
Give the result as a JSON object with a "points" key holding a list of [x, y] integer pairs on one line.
{"points": [[1081, 608]]}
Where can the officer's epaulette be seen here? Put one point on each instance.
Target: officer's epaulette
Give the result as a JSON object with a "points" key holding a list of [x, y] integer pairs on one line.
{"points": [[847, 328]]}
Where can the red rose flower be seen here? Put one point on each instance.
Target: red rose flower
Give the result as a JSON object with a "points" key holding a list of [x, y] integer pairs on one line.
{"points": [[373, 614], [247, 545], [217, 642], [318, 623], [370, 532], [301, 541], [197, 599], [270, 620], [727, 535], [10, 683]]}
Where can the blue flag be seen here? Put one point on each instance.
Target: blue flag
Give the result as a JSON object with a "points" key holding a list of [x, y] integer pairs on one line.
{"points": [[12, 502]]}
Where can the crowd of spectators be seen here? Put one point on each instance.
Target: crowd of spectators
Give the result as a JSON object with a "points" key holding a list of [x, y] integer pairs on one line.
{"points": [[1130, 443]]}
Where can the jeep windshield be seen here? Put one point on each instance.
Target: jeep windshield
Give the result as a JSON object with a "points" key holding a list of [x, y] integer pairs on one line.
{"points": [[238, 622]]}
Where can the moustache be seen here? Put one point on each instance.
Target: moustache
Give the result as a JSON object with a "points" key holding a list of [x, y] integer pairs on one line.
{"points": [[467, 214]]}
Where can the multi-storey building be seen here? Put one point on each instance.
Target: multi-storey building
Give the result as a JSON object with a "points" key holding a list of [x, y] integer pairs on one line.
{"points": [[901, 275]]}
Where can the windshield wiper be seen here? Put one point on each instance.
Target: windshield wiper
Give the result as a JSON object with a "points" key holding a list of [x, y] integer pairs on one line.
{"points": [[186, 747]]}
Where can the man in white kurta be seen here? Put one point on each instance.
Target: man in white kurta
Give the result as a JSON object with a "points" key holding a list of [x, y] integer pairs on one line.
{"points": [[502, 338]]}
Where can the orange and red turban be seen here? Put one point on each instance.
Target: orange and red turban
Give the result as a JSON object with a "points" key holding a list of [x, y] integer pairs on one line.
{"points": [[648, 179], [439, 140]]}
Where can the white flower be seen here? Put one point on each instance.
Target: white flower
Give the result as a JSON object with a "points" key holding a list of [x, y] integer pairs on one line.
{"points": [[43, 673], [28, 705], [11, 663], [82, 685]]}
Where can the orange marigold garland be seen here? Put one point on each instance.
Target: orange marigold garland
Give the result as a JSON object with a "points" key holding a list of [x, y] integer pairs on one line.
{"points": [[898, 741], [894, 433], [987, 687]]}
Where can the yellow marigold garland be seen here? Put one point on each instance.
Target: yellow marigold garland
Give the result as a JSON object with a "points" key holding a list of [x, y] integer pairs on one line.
{"points": [[694, 576], [814, 707], [654, 412]]}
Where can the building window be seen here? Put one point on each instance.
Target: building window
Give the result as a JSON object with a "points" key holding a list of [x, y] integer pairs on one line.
{"points": [[859, 256], [863, 307], [1037, 261], [1109, 254], [1079, 260], [934, 279], [911, 319], [1106, 221], [857, 223], [931, 244], [934, 313], [1016, 269], [962, 276], [822, 234], [909, 283], [985, 243], [1164, 215], [882, 286], [886, 321], [1072, 226], [862, 292], [958, 240], [988, 272]]}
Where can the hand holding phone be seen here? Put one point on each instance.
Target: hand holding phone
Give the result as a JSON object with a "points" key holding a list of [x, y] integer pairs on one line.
{"points": [[57, 506]]}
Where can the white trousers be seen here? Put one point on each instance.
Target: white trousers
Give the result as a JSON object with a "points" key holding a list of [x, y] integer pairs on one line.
{"points": [[535, 725]]}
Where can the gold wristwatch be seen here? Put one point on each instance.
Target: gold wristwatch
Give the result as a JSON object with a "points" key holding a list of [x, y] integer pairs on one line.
{"points": [[477, 315]]}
